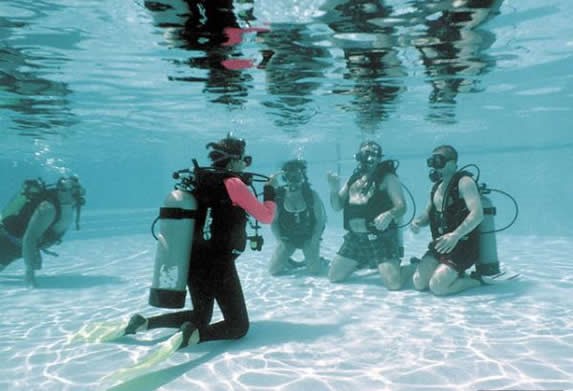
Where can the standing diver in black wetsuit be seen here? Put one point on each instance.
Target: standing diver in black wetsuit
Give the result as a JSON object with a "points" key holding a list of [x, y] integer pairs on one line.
{"points": [[219, 239]]}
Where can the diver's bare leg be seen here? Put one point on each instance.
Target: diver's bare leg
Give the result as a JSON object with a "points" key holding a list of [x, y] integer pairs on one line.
{"points": [[279, 260], [341, 268], [446, 281], [424, 271]]}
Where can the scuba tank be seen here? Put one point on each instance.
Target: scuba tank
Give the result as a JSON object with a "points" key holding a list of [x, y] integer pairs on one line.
{"points": [[174, 243], [488, 262]]}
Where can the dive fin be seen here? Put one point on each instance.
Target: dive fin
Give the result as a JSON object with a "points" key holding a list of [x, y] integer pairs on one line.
{"points": [[99, 332], [143, 364]]}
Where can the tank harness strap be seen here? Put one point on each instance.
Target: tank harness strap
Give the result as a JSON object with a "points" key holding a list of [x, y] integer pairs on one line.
{"points": [[490, 211], [177, 213]]}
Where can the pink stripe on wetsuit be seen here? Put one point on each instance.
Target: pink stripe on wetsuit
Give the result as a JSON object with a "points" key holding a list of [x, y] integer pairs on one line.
{"points": [[242, 196]]}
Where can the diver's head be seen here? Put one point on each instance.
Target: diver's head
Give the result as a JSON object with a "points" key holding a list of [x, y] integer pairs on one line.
{"points": [[229, 153], [369, 154], [294, 173], [442, 163]]}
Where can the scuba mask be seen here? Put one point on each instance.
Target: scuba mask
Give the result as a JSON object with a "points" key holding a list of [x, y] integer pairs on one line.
{"points": [[294, 179], [369, 154], [294, 173], [436, 162]]}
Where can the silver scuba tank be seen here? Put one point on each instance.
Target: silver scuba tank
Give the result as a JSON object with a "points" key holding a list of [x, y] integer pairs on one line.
{"points": [[488, 262], [173, 252]]}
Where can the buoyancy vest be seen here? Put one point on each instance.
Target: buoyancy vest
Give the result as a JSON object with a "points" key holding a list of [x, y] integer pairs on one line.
{"points": [[18, 212], [380, 201], [296, 226], [220, 225], [454, 208]]}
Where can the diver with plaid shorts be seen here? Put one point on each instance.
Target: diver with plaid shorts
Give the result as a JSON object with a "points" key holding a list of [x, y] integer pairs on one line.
{"points": [[373, 203]]}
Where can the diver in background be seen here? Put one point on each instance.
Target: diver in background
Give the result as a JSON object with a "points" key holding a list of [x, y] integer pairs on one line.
{"points": [[454, 213], [299, 222], [373, 204], [219, 238], [36, 219]]}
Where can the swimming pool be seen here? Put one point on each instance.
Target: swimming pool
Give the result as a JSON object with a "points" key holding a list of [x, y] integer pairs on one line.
{"points": [[112, 93]]}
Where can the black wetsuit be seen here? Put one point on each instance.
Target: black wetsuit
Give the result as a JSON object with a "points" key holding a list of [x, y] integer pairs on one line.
{"points": [[212, 271]]}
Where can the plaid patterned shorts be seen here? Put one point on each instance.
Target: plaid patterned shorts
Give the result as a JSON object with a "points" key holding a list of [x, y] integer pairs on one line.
{"points": [[370, 250]]}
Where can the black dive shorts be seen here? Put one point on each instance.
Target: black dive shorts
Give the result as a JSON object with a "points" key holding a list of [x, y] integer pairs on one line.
{"points": [[464, 255]]}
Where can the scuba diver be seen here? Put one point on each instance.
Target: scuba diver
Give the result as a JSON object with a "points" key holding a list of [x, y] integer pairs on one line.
{"points": [[219, 237], [373, 203], [454, 214], [300, 220], [37, 218]]}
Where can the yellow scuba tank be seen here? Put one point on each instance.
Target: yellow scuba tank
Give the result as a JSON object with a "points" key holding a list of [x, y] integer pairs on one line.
{"points": [[173, 252], [488, 262]]}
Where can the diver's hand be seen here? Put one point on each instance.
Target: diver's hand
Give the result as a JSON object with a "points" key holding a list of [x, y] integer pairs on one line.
{"points": [[383, 220], [274, 180], [415, 226], [446, 243], [333, 181]]}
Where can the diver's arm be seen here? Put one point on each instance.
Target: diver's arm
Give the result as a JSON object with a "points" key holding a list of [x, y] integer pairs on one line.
{"points": [[40, 221], [470, 194], [338, 196], [241, 196], [394, 189], [319, 216], [422, 219]]}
